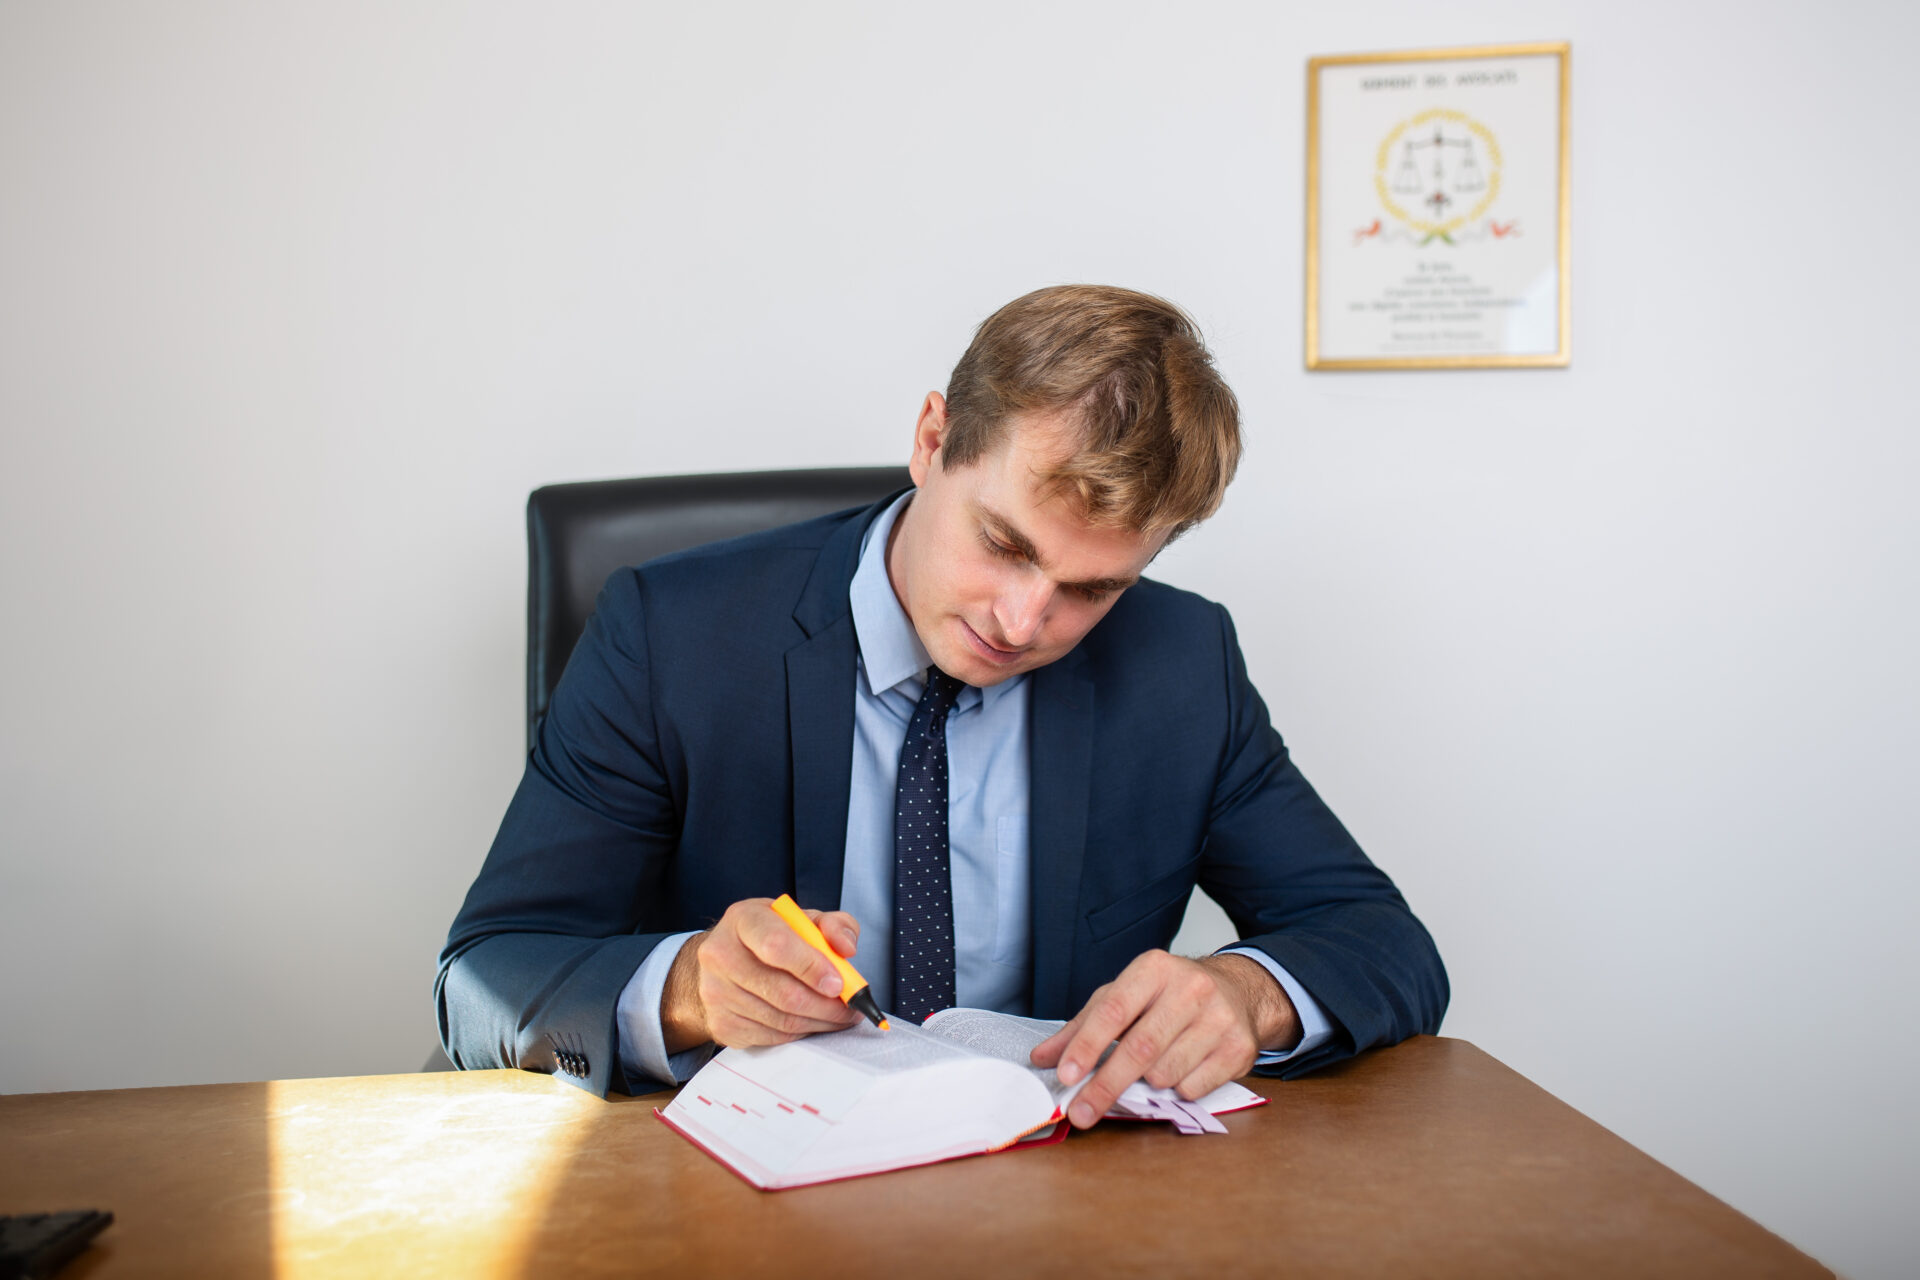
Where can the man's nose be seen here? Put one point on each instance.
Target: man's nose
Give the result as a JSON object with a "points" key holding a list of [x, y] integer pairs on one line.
{"points": [[1023, 608]]}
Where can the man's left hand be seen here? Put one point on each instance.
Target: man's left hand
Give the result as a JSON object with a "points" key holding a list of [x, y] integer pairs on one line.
{"points": [[1189, 1025]]}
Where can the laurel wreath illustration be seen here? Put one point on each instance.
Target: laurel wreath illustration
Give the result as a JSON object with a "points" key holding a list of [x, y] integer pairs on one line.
{"points": [[1441, 229]]}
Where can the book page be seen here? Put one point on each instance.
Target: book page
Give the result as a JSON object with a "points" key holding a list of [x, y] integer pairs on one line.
{"points": [[867, 1048], [1007, 1037], [1012, 1038], [853, 1102], [998, 1035]]}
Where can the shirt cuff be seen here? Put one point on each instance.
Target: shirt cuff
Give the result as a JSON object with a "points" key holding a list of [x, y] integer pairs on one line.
{"points": [[1315, 1027], [643, 1042]]}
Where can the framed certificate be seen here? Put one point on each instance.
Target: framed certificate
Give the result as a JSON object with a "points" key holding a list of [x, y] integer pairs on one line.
{"points": [[1437, 232]]}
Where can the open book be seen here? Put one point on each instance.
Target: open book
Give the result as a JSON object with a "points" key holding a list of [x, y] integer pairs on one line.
{"points": [[864, 1101]]}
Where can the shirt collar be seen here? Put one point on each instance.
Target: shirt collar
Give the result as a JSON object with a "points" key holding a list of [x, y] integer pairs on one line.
{"points": [[890, 649]]}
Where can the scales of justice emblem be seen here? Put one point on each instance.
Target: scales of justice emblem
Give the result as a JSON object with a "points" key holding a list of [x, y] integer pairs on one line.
{"points": [[1437, 173]]}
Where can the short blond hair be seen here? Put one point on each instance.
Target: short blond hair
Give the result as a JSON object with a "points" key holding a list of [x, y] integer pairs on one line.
{"points": [[1159, 428]]}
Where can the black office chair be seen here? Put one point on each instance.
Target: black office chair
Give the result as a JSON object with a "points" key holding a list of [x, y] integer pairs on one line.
{"points": [[577, 534]]}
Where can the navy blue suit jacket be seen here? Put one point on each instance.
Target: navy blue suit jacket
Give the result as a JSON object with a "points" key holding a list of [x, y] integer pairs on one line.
{"points": [[698, 750]]}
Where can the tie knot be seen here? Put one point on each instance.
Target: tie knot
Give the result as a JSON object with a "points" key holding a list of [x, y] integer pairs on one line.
{"points": [[941, 693]]}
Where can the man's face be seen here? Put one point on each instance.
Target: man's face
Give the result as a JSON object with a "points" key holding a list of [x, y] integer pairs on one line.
{"points": [[996, 578]]}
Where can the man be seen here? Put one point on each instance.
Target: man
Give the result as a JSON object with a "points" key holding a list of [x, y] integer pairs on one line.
{"points": [[962, 730]]}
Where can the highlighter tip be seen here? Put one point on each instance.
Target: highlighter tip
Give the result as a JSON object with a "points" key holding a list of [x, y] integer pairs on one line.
{"points": [[885, 1025], [863, 1001]]}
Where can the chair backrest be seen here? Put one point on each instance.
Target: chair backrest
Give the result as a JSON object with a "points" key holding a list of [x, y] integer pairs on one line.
{"points": [[577, 534]]}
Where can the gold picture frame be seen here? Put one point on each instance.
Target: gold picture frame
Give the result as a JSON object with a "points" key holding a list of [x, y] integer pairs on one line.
{"points": [[1380, 294]]}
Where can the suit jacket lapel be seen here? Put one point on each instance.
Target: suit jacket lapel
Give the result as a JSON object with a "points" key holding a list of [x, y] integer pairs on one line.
{"points": [[1061, 779], [820, 676]]}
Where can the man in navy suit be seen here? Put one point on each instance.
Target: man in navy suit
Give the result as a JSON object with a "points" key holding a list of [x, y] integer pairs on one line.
{"points": [[961, 728]]}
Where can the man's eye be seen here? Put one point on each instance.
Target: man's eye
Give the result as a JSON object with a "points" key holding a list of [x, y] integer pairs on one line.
{"points": [[999, 548], [1092, 595]]}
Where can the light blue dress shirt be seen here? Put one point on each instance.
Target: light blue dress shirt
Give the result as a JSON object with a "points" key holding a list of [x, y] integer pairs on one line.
{"points": [[987, 835]]}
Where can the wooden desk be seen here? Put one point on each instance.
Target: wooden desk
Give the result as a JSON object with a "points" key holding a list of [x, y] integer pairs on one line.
{"points": [[1427, 1159]]}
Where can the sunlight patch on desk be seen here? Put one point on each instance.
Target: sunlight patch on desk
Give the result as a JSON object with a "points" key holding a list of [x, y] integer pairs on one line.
{"points": [[417, 1174]]}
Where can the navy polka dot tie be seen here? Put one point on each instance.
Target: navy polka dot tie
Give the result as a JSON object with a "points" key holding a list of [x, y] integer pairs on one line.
{"points": [[923, 982]]}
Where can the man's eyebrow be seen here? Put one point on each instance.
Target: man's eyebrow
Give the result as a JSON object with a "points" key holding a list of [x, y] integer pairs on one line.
{"points": [[1103, 584], [1021, 543], [1018, 540]]}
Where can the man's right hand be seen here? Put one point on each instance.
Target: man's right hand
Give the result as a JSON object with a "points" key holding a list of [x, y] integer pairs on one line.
{"points": [[750, 980]]}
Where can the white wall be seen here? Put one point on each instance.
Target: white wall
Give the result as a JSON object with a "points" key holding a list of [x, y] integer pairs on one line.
{"points": [[1610, 667]]}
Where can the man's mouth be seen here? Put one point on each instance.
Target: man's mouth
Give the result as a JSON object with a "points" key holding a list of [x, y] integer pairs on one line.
{"points": [[991, 652]]}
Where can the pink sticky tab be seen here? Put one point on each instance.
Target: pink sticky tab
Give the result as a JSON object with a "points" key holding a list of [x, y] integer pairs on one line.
{"points": [[1202, 1120]]}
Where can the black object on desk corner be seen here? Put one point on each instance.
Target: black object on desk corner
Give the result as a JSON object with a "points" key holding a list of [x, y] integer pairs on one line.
{"points": [[33, 1245]]}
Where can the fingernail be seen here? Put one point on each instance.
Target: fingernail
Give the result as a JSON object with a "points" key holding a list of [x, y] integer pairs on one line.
{"points": [[1069, 1071], [1081, 1114], [831, 985]]}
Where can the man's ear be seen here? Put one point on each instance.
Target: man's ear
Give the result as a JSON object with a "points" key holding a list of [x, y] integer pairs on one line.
{"points": [[928, 432]]}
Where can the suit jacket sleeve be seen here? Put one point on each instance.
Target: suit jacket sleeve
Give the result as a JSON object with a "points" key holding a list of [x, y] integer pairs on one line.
{"points": [[1298, 887], [560, 915]]}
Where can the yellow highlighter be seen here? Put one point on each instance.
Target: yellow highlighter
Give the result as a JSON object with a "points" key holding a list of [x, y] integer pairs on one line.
{"points": [[856, 992]]}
